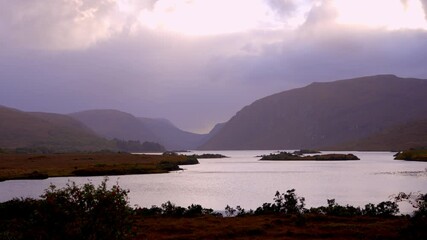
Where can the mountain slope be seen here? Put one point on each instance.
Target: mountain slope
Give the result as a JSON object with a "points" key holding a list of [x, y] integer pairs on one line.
{"points": [[115, 124], [54, 131], [399, 137], [172, 137], [322, 115]]}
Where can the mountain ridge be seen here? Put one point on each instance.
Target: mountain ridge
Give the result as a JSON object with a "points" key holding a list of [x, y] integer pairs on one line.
{"points": [[20, 129], [112, 124], [322, 115], [382, 112]]}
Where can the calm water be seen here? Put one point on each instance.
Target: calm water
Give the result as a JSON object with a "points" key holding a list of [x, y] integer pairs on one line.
{"points": [[245, 181]]}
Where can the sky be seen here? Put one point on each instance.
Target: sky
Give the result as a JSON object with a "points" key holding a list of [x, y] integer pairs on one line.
{"points": [[197, 62]]}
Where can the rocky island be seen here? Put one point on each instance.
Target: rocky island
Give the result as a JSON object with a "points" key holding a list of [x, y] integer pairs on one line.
{"points": [[286, 156], [209, 155]]}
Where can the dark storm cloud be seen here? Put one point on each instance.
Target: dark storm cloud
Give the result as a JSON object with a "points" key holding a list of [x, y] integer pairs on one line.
{"points": [[77, 55]]}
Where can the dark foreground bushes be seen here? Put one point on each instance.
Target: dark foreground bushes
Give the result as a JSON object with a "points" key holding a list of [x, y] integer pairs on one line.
{"points": [[290, 204], [98, 212], [171, 210], [73, 212]]}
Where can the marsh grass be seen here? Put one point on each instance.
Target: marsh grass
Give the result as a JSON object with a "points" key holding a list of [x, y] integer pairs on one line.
{"points": [[36, 166]]}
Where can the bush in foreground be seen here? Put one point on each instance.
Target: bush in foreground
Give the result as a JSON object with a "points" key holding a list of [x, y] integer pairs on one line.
{"points": [[72, 212], [171, 210], [98, 212]]}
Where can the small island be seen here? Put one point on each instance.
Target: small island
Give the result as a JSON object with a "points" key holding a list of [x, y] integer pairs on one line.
{"points": [[286, 156], [196, 156], [209, 155]]}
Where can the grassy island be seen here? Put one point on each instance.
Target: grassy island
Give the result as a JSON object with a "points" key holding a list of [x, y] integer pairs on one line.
{"points": [[412, 155], [286, 156], [209, 155], [40, 166]]}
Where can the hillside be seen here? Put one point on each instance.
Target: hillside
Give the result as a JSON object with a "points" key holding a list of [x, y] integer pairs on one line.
{"points": [[403, 136], [47, 130], [326, 115], [172, 137], [116, 124]]}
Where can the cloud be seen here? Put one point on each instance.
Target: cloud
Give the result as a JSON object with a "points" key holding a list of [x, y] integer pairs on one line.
{"points": [[324, 50], [59, 24], [71, 55], [283, 7]]}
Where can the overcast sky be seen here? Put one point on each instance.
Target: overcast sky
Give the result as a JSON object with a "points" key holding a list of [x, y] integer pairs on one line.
{"points": [[197, 62]]}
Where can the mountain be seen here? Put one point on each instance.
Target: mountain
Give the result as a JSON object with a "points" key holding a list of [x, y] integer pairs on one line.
{"points": [[404, 136], [329, 115], [116, 124], [172, 137], [216, 129], [58, 132]]}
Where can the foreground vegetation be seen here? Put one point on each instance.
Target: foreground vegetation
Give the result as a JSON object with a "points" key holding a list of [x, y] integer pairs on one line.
{"points": [[283, 156], [99, 212], [412, 155], [40, 166]]}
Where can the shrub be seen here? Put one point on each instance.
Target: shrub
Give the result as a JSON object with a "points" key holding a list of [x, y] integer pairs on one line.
{"points": [[229, 211], [266, 208], [169, 209], [88, 212], [384, 209], [153, 211], [418, 222], [387, 208], [287, 203], [198, 210], [72, 212]]}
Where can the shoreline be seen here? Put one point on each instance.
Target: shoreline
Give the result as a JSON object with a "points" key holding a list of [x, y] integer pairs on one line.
{"points": [[42, 166]]}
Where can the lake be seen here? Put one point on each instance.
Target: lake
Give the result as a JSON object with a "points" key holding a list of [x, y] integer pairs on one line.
{"points": [[243, 180]]}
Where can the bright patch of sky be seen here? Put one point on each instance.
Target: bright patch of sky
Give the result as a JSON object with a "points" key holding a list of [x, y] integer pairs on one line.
{"points": [[388, 14], [204, 18], [199, 17]]}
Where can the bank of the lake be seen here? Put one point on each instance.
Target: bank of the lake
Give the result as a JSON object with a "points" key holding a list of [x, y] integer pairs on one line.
{"points": [[41, 166], [413, 155]]}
